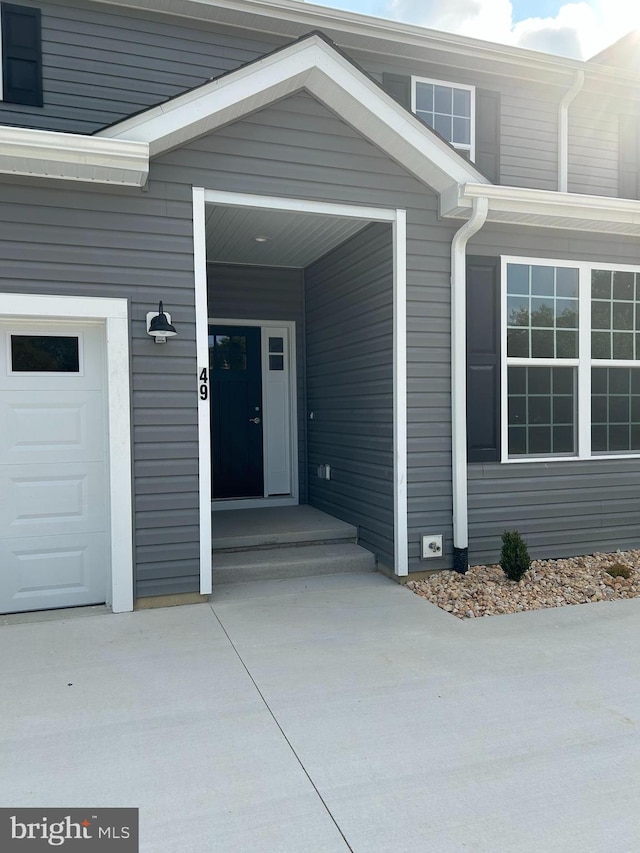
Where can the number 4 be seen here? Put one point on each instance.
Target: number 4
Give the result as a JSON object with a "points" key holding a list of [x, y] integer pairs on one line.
{"points": [[204, 387]]}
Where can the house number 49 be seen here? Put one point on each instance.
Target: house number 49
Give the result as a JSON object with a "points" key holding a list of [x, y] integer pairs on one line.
{"points": [[204, 387]]}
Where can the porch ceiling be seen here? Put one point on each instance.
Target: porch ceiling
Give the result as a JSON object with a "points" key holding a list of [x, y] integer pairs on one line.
{"points": [[293, 239]]}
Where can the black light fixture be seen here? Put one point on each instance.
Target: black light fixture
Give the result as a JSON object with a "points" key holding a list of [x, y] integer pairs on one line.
{"points": [[159, 325]]}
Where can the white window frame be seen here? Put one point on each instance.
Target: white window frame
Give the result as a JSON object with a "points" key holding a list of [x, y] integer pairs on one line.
{"points": [[583, 363], [471, 148]]}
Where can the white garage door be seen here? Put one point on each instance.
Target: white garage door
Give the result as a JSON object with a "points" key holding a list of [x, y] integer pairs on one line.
{"points": [[54, 526]]}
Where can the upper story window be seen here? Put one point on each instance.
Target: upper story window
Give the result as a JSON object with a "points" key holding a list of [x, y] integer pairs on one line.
{"points": [[21, 55], [449, 108]]}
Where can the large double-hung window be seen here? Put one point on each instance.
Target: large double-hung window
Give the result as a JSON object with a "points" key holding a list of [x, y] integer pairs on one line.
{"points": [[571, 360]]}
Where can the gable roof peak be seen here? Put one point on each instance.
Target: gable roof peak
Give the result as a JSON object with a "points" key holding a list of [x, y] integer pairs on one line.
{"points": [[312, 64]]}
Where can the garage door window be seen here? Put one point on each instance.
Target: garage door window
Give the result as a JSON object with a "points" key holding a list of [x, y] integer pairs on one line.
{"points": [[45, 354]]}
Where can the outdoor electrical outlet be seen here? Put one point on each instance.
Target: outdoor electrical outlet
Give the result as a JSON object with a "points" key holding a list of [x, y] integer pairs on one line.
{"points": [[324, 472], [431, 547]]}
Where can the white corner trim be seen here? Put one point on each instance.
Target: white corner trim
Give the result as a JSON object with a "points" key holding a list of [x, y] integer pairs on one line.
{"points": [[121, 491], [300, 205], [72, 157], [204, 405], [400, 486], [545, 208], [314, 66], [114, 313]]}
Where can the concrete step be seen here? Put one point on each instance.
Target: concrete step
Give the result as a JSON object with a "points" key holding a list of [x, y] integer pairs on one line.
{"points": [[291, 562], [275, 527]]}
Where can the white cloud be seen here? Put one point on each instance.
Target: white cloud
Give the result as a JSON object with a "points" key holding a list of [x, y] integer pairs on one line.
{"points": [[579, 29], [488, 19]]}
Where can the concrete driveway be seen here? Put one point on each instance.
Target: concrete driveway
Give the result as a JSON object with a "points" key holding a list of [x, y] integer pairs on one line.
{"points": [[323, 715]]}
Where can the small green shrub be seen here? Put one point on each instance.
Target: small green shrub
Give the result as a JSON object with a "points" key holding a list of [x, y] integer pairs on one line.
{"points": [[514, 557], [617, 570]]}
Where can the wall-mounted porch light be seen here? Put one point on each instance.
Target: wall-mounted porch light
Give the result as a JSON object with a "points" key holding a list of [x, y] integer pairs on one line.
{"points": [[159, 325]]}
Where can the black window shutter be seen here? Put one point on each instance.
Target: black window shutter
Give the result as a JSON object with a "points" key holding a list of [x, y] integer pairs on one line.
{"points": [[399, 87], [483, 359], [21, 55], [628, 157], [488, 133]]}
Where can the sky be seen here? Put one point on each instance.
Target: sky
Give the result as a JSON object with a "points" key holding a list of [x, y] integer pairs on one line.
{"points": [[576, 29]]}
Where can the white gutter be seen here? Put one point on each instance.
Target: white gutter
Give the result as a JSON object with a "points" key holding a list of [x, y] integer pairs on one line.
{"points": [[72, 157], [545, 208], [563, 131], [459, 381]]}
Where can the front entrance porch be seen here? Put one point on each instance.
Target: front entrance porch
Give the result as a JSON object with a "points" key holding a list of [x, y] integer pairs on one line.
{"points": [[301, 334], [283, 542]]}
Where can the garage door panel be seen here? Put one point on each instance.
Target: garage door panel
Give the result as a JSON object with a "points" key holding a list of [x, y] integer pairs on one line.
{"points": [[69, 429], [54, 499], [52, 571], [54, 482]]}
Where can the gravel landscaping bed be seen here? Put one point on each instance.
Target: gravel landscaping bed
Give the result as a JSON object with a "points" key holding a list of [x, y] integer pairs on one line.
{"points": [[486, 591]]}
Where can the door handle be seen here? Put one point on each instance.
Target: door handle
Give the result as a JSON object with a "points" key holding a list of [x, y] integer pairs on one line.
{"points": [[254, 420]]}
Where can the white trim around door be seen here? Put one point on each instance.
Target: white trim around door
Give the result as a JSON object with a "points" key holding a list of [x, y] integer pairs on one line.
{"points": [[114, 314], [397, 218], [288, 430]]}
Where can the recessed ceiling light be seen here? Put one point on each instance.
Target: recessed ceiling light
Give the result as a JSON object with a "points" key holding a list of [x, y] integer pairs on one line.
{"points": [[261, 239]]}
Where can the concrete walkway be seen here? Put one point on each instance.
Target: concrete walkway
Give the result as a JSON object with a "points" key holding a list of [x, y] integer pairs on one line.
{"points": [[322, 715]]}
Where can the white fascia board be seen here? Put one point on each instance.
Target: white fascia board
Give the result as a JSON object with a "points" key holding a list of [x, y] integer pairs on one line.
{"points": [[545, 208], [72, 157], [316, 67]]}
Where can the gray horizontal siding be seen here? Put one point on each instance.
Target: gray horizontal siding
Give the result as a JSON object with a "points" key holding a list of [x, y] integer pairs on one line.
{"points": [[593, 147], [265, 293], [283, 150], [102, 64], [562, 508], [529, 139], [127, 243], [349, 333]]}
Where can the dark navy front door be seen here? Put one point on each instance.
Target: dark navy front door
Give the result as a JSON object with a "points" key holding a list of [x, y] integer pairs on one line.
{"points": [[236, 411]]}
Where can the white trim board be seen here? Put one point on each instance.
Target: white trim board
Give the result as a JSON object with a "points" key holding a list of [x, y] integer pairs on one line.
{"points": [[397, 218], [114, 314], [204, 405]]}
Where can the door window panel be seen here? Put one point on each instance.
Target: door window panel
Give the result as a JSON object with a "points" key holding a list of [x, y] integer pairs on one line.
{"points": [[229, 352]]}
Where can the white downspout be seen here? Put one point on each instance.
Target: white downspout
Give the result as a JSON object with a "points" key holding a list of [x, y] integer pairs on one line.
{"points": [[459, 381], [563, 131]]}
